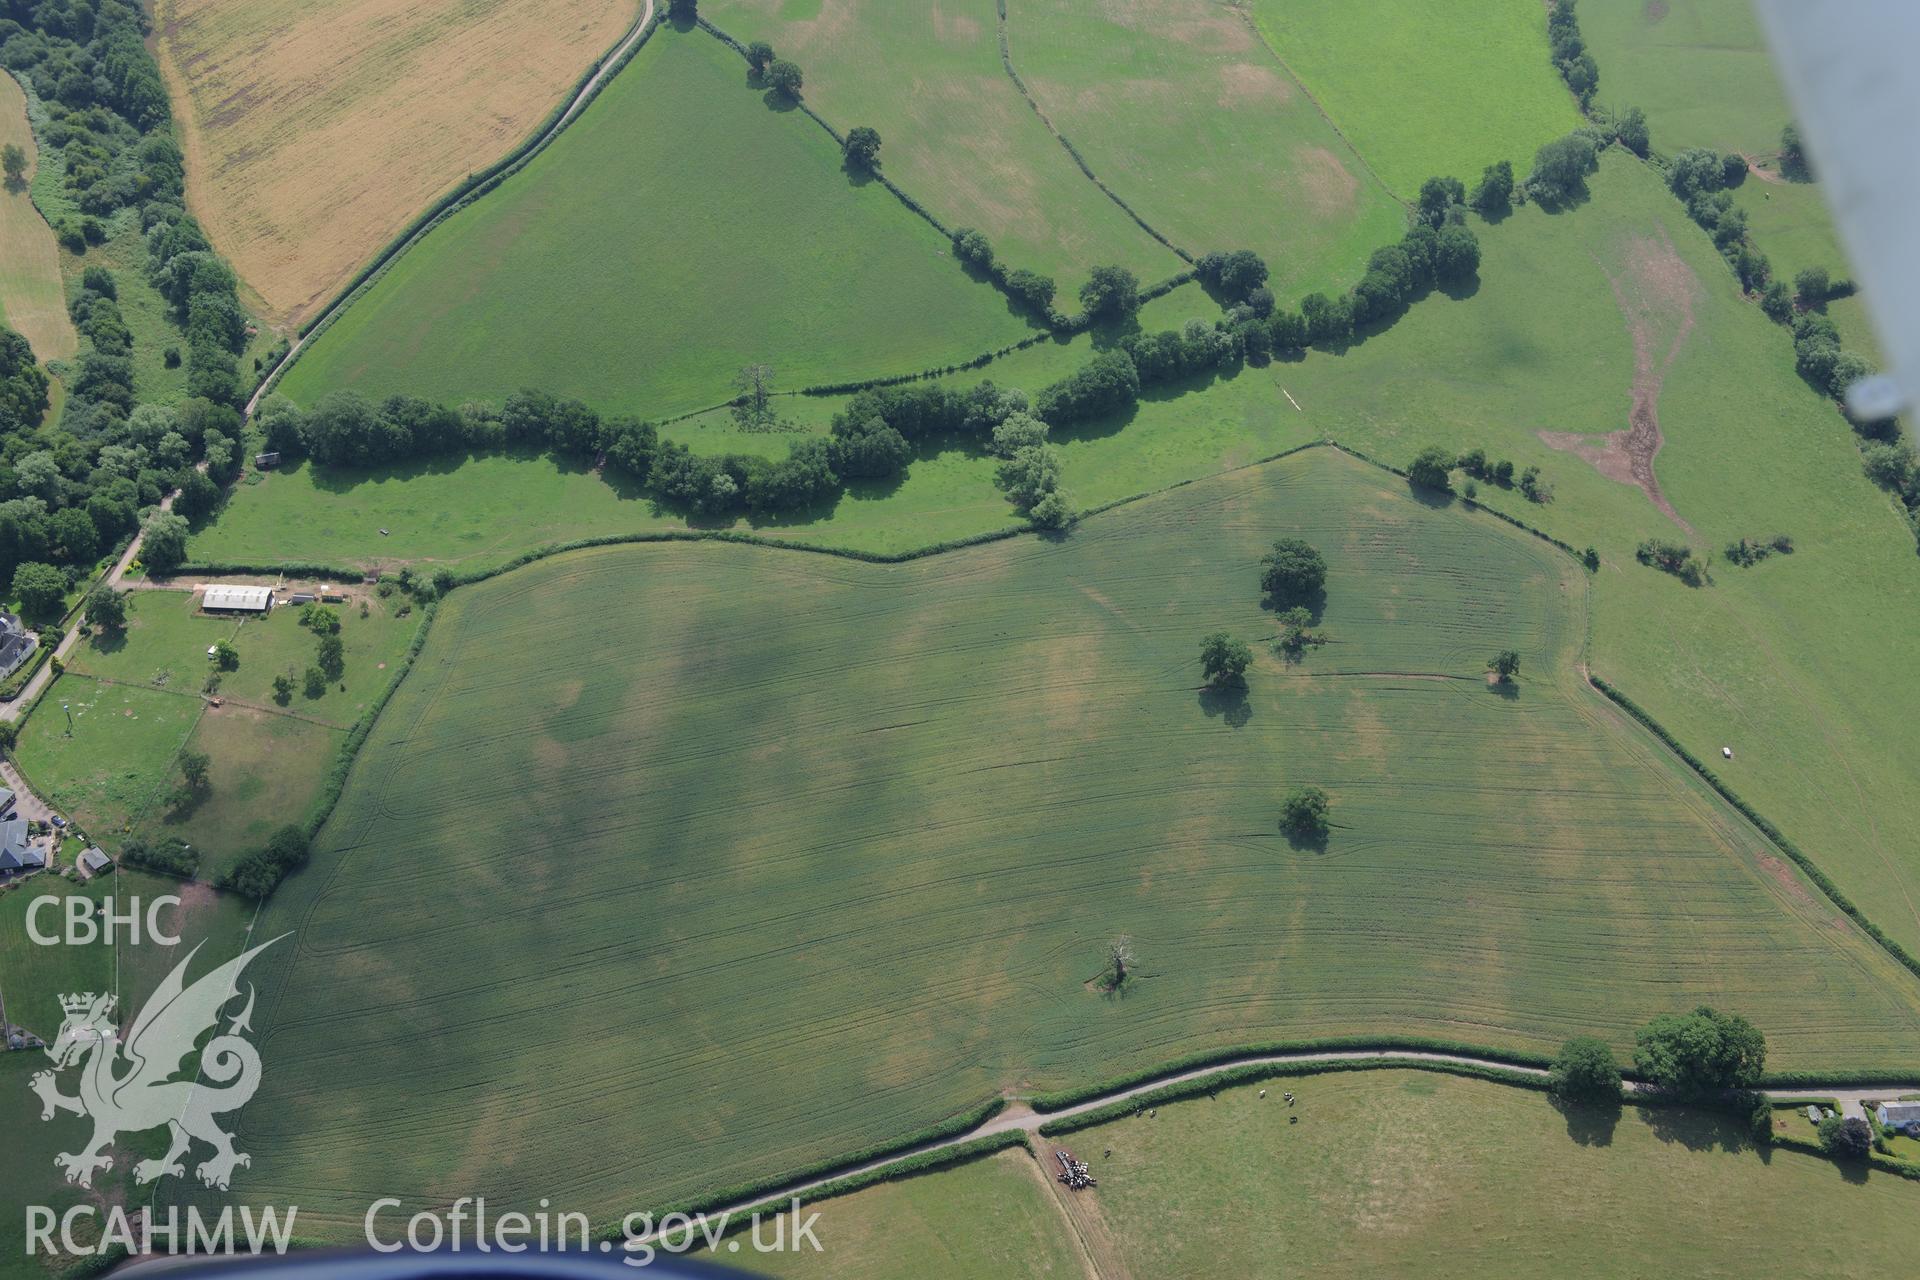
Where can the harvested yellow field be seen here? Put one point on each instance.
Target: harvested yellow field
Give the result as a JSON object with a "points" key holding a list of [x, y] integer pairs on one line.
{"points": [[314, 133], [32, 300]]}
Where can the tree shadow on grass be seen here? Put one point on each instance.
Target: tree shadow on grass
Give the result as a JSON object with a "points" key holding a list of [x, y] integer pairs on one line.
{"points": [[1228, 703], [1305, 841], [1314, 602], [1508, 689], [1589, 1124], [105, 643], [1697, 1129]]}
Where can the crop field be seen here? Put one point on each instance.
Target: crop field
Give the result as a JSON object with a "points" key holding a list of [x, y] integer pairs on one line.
{"points": [[584, 273], [1700, 69], [1181, 108], [993, 1216], [33, 302], [679, 936], [958, 135], [1413, 1173], [1421, 90], [313, 135]]}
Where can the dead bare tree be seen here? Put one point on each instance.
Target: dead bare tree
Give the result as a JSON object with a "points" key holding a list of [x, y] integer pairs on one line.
{"points": [[1120, 961]]}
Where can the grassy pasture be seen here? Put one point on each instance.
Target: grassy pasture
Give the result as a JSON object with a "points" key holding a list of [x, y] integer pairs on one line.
{"points": [[1412, 1173], [547, 824], [989, 1217], [1182, 110], [267, 761], [312, 135], [119, 755], [958, 135], [1700, 69], [32, 299], [1421, 90], [588, 273], [34, 976]]}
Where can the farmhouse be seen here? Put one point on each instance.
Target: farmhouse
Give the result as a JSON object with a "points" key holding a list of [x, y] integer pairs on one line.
{"points": [[222, 598], [16, 855], [16, 644], [1899, 1115]]}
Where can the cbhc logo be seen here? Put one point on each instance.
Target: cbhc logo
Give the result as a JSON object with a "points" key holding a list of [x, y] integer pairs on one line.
{"points": [[85, 926]]}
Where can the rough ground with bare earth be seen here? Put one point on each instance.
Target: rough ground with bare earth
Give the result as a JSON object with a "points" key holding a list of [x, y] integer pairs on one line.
{"points": [[1656, 293], [313, 134]]}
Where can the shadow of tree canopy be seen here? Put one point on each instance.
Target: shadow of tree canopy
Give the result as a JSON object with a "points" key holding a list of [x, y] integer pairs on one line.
{"points": [[1228, 703]]}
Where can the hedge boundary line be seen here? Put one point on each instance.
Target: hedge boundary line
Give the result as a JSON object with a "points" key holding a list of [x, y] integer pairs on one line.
{"points": [[1774, 834], [1238, 1056], [1884, 1164], [1006, 61], [1252, 1071], [997, 279], [761, 1190], [475, 186]]}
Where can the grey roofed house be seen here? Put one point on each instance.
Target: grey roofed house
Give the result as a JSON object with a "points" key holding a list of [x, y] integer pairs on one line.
{"points": [[1898, 1115], [16, 644], [94, 860], [15, 853]]}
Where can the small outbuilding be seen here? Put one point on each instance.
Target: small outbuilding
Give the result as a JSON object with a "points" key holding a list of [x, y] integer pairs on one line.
{"points": [[93, 860], [1898, 1115], [266, 461], [6, 800], [222, 598]]}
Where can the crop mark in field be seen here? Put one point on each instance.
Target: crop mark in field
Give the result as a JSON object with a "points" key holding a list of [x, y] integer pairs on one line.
{"points": [[1655, 292]]}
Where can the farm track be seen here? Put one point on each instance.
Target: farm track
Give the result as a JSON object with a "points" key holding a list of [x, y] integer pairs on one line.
{"points": [[1029, 1122]]}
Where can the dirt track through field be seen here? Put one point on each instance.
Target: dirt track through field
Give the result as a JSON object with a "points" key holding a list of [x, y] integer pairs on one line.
{"points": [[1655, 291]]}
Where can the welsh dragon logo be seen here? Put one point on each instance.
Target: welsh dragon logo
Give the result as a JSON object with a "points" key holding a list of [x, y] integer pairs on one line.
{"points": [[128, 1086]]}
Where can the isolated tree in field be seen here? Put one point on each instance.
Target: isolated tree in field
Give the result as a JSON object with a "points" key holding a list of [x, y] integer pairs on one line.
{"points": [[13, 158], [759, 56], [164, 545], [283, 688], [1293, 572], [1494, 192], [784, 78], [314, 682], [1846, 1137], [1303, 813], [107, 609], [39, 588], [863, 148], [1234, 274], [320, 619], [753, 405], [1585, 1071], [1224, 660], [332, 657], [1120, 962], [1504, 665], [194, 767], [1110, 293], [1431, 469], [1700, 1052], [1296, 632], [225, 656]]}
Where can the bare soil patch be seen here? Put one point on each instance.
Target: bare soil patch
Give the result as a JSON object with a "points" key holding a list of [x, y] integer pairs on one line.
{"points": [[1655, 292]]}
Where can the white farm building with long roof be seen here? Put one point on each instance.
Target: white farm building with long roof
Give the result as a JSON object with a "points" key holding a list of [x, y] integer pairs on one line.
{"points": [[221, 598]]}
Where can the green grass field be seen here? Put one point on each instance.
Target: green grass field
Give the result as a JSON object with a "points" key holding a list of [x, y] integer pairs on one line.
{"points": [[32, 301], [118, 756], [547, 824], [989, 1217], [36, 975], [1412, 1173], [1421, 90], [677, 231], [267, 761], [1183, 111], [957, 133], [1700, 69]]}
